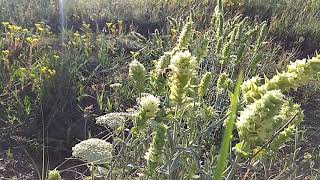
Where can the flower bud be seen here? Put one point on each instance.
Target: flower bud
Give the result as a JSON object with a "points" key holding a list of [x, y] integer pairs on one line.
{"points": [[155, 152], [204, 84], [54, 175], [137, 73]]}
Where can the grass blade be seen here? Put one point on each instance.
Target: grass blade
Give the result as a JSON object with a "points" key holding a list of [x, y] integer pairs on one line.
{"points": [[224, 150]]}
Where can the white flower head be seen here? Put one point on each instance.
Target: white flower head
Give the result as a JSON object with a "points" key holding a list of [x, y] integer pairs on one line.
{"points": [[150, 105], [183, 62], [113, 120], [95, 151]]}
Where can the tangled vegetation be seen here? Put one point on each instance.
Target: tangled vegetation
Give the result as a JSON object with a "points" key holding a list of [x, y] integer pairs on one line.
{"points": [[196, 96]]}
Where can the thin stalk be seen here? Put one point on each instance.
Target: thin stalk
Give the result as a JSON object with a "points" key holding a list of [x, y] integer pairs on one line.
{"points": [[233, 168], [174, 136]]}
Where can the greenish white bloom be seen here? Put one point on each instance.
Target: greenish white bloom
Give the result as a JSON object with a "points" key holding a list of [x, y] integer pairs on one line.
{"points": [[54, 175], [255, 124], [95, 151], [149, 104], [113, 120], [183, 66], [299, 73], [137, 73]]}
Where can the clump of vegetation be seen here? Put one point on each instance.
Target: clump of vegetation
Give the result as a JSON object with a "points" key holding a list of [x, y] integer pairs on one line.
{"points": [[190, 100], [176, 131]]}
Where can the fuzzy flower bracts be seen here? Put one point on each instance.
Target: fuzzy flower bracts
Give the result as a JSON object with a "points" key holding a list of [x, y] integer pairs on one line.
{"points": [[298, 73], [155, 152], [267, 110], [137, 73], [255, 122], [183, 67], [54, 175], [148, 109]]}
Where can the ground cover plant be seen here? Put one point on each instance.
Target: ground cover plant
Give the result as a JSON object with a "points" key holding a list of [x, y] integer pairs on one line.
{"points": [[203, 93]]}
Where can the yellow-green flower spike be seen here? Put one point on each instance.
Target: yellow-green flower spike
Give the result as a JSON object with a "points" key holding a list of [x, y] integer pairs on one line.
{"points": [[148, 109], [137, 73], [224, 82], [183, 67], [155, 152], [204, 84], [220, 25], [184, 38], [299, 73], [201, 51], [255, 122], [150, 105]]}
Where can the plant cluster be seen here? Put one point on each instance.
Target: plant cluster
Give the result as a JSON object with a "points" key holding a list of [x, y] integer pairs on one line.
{"points": [[171, 100], [167, 136]]}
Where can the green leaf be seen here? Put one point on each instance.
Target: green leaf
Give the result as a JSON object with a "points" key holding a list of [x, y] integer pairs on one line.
{"points": [[227, 137]]}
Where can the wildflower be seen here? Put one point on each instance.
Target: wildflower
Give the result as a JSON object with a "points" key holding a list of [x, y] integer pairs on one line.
{"points": [[51, 72], [185, 35], [5, 53], [288, 111], [113, 120], [32, 40], [208, 112], [183, 67], [255, 123], [54, 175], [155, 152], [226, 50], [148, 109], [239, 33], [204, 84], [299, 73], [76, 34], [224, 82], [201, 50], [219, 45], [219, 31], [164, 61], [149, 105], [39, 28], [5, 24], [56, 57], [159, 74], [137, 73], [262, 34], [250, 90], [95, 151]]}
